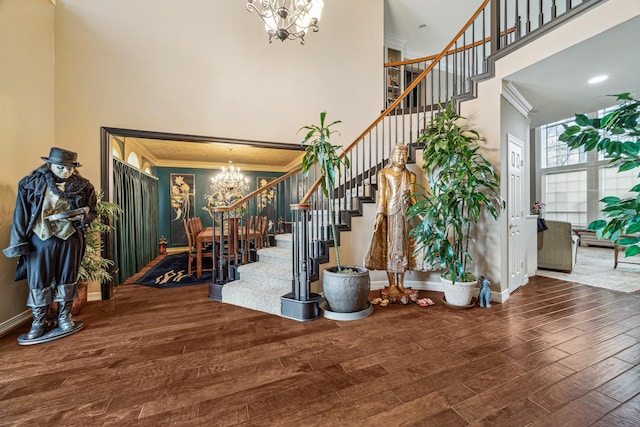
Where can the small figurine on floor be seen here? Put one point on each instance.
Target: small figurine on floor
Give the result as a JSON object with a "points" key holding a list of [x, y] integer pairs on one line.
{"points": [[485, 292]]}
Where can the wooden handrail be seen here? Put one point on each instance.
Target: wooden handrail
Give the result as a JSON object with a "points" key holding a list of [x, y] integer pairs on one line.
{"points": [[390, 108], [402, 96], [434, 58]]}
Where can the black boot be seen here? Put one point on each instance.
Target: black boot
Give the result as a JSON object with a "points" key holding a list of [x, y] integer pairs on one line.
{"points": [[39, 324], [64, 316]]}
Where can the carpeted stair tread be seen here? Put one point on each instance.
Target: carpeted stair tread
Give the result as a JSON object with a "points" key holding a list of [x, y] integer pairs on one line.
{"points": [[284, 240], [262, 283], [258, 272], [264, 297], [274, 255]]}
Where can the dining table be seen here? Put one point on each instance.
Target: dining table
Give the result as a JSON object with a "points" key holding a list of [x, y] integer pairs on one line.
{"points": [[209, 234]]}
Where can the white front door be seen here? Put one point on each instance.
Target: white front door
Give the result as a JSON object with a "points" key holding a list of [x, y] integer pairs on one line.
{"points": [[515, 213]]}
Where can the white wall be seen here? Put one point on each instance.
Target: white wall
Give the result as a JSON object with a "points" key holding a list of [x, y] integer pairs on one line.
{"points": [[26, 121], [484, 112], [205, 67]]}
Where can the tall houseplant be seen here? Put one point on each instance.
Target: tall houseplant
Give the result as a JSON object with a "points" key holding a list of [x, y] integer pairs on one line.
{"points": [[320, 150], [345, 289], [462, 184], [617, 135]]}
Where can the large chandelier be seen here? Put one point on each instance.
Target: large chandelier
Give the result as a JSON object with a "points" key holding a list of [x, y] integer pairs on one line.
{"points": [[288, 19], [229, 185]]}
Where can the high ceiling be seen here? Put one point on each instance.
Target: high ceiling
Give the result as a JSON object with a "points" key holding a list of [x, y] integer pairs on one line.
{"points": [[424, 27], [556, 87]]}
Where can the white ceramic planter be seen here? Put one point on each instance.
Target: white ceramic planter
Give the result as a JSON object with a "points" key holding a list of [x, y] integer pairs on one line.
{"points": [[460, 293]]}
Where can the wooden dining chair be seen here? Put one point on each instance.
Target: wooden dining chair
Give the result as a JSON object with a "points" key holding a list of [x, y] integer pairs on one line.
{"points": [[195, 228], [198, 222], [230, 230], [195, 225], [191, 245]]}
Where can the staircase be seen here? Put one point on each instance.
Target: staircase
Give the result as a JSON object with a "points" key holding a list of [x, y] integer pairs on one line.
{"points": [[262, 283], [495, 29]]}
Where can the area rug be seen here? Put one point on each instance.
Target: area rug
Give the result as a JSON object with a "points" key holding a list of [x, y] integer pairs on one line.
{"points": [[594, 267], [171, 272]]}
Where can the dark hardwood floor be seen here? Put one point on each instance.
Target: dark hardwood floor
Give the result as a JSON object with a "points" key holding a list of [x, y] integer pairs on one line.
{"points": [[556, 353]]}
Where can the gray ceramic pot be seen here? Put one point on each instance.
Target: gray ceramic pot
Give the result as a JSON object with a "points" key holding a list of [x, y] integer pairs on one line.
{"points": [[346, 292]]}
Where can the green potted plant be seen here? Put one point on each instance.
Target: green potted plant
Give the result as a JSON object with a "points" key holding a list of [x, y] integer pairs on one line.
{"points": [[617, 135], [462, 185], [346, 288], [93, 266]]}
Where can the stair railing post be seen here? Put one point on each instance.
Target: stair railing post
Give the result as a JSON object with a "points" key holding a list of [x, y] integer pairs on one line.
{"points": [[495, 26], [217, 273], [300, 304], [300, 278]]}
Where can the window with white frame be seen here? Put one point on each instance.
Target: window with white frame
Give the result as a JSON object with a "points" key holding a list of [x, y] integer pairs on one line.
{"points": [[565, 194], [614, 183], [571, 182], [555, 152]]}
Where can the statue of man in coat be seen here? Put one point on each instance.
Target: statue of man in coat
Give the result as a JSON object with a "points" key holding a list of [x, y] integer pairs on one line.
{"points": [[53, 206]]}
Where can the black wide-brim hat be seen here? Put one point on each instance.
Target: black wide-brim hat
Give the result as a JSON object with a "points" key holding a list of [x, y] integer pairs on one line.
{"points": [[60, 156]]}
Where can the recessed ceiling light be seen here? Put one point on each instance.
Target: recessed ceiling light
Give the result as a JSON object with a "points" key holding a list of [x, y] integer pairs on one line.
{"points": [[597, 79]]}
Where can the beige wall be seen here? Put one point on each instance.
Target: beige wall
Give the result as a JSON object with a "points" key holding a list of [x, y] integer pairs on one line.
{"points": [[26, 119], [205, 67], [196, 67], [485, 112]]}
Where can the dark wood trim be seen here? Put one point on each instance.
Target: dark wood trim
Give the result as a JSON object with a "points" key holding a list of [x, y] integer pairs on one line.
{"points": [[166, 136]]}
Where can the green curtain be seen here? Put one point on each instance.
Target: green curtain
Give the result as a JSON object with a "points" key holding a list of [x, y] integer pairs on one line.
{"points": [[136, 236]]}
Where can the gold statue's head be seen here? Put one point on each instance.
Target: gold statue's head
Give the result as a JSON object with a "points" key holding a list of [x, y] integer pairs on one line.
{"points": [[401, 147], [400, 154]]}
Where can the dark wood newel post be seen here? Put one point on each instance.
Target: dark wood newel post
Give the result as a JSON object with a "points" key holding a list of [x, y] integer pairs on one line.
{"points": [[300, 304]]}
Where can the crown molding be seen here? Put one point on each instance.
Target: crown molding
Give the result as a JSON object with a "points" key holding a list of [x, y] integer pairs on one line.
{"points": [[515, 98], [395, 43]]}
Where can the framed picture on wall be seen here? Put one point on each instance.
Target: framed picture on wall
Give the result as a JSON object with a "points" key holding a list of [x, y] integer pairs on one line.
{"points": [[182, 200], [267, 200]]}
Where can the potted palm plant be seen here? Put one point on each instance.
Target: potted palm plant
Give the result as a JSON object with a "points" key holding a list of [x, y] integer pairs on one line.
{"points": [[346, 288], [93, 266], [462, 185]]}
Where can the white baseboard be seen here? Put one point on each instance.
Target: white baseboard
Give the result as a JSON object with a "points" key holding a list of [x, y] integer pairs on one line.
{"points": [[15, 322], [500, 297]]}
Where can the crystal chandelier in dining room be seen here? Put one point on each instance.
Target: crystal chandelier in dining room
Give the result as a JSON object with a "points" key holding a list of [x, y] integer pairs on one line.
{"points": [[229, 185], [288, 19]]}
